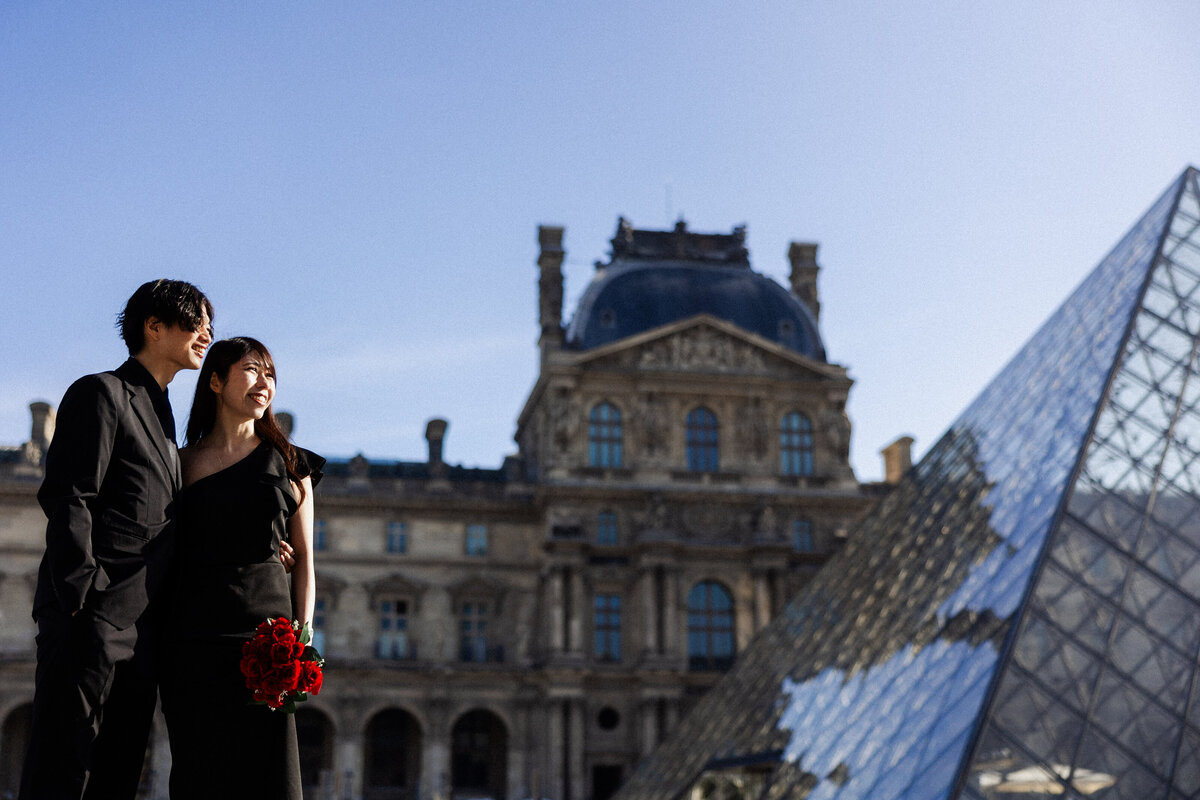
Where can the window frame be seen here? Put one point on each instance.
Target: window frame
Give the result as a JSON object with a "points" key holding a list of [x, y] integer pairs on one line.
{"points": [[396, 537], [476, 540], [796, 444], [607, 609], [393, 627], [712, 627], [703, 440], [606, 436]]}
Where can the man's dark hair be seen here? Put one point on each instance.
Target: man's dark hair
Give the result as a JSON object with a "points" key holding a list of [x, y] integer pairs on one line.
{"points": [[172, 302]]}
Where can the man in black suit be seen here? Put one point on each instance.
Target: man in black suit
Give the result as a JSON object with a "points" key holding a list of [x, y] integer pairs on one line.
{"points": [[112, 472]]}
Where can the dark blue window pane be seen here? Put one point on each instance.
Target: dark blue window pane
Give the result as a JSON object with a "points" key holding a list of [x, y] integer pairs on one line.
{"points": [[796, 444], [703, 451], [605, 437]]}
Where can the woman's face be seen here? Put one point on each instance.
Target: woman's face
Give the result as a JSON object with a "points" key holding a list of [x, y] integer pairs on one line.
{"points": [[247, 390]]}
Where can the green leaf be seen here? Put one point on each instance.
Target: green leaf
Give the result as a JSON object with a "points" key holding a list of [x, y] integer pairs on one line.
{"points": [[306, 633]]}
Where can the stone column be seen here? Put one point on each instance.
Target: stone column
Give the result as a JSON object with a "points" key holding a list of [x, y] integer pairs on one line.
{"points": [[435, 755], [575, 646], [648, 708], [556, 618], [672, 633], [348, 765], [650, 645], [578, 782], [555, 788], [762, 600]]}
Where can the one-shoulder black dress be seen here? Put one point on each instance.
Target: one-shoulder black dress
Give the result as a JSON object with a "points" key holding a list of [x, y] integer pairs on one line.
{"points": [[228, 579]]}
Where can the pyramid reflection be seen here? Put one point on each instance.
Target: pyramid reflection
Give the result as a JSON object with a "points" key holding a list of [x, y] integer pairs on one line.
{"points": [[1021, 616]]}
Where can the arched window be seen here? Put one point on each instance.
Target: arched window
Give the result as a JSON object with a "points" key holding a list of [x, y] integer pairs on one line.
{"points": [[315, 734], [796, 444], [479, 756], [605, 448], [710, 627], [14, 738], [393, 756], [703, 450]]}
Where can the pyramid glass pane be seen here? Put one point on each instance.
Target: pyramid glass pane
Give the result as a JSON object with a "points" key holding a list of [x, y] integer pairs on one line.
{"points": [[1141, 467], [1015, 618]]}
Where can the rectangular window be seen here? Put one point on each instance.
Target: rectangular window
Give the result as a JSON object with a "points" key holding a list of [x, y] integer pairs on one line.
{"points": [[477, 540], [393, 630], [473, 632], [607, 627], [320, 539], [397, 537], [318, 624], [606, 528], [802, 536]]}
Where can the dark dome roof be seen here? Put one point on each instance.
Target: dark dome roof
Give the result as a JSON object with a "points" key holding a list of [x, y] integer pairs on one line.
{"points": [[638, 291]]}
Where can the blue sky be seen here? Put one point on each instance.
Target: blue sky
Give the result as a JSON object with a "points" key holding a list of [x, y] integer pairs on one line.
{"points": [[360, 184]]}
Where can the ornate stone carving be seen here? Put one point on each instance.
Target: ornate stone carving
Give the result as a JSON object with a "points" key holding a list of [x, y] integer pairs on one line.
{"points": [[655, 517], [752, 431], [711, 522], [702, 349], [565, 420], [835, 425], [656, 427]]}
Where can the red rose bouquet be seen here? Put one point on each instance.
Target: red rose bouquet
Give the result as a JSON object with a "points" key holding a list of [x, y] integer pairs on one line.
{"points": [[281, 667]]}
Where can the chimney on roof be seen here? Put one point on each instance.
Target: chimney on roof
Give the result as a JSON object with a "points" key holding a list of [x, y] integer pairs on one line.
{"points": [[286, 422], [897, 459], [435, 434], [550, 287], [803, 258], [42, 431]]}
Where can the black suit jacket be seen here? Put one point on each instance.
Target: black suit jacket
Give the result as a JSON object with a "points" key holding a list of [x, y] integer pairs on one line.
{"points": [[109, 489]]}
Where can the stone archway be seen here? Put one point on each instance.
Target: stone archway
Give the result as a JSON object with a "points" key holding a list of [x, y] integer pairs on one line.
{"points": [[479, 756], [14, 736], [392, 757], [315, 733]]}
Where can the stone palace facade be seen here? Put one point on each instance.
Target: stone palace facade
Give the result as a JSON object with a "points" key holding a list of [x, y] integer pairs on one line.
{"points": [[533, 631]]}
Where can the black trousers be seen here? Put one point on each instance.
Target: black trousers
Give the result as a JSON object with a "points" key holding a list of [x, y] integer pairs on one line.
{"points": [[93, 705]]}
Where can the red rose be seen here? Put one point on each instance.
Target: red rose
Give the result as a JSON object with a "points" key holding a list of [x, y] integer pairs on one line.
{"points": [[271, 663], [312, 677], [274, 684], [252, 669], [281, 653], [289, 676]]}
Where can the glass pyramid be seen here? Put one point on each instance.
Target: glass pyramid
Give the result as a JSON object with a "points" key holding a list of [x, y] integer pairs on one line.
{"points": [[1020, 617]]}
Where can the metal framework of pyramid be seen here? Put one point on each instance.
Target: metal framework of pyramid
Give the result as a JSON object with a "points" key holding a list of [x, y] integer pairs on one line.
{"points": [[1020, 617]]}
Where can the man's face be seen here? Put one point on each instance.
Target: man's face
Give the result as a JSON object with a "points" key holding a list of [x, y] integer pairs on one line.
{"points": [[185, 349]]}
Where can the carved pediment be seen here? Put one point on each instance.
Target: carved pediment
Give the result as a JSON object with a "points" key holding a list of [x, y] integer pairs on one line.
{"points": [[701, 349], [704, 345]]}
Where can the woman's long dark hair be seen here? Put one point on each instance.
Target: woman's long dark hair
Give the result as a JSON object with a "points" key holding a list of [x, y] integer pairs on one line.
{"points": [[221, 357]]}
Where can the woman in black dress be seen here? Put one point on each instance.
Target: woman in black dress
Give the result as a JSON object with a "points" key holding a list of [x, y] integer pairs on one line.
{"points": [[246, 490]]}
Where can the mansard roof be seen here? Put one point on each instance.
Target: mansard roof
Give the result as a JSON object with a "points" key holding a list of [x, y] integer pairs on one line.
{"points": [[654, 278]]}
